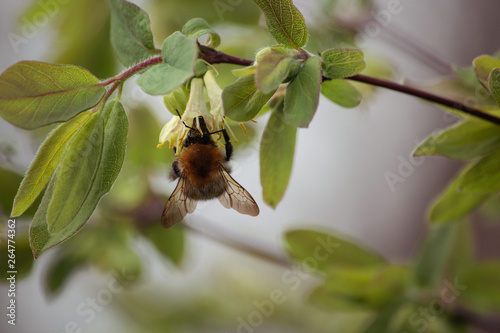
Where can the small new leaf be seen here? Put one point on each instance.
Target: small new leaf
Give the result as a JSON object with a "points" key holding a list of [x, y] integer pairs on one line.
{"points": [[45, 163], [35, 94], [341, 63], [341, 92], [131, 35], [271, 70], [302, 94], [277, 148], [179, 55], [484, 65], [284, 22], [197, 27], [176, 100], [242, 100], [494, 82]]}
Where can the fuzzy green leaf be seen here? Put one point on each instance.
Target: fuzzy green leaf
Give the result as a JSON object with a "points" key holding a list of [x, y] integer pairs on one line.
{"points": [[277, 149], [328, 251], [341, 63], [197, 27], [35, 94], [468, 139], [484, 65], [284, 22], [179, 56], [131, 35], [271, 70], [242, 100], [302, 94], [76, 173], [453, 203], [341, 92], [494, 84], [45, 163], [244, 71], [113, 153], [484, 175]]}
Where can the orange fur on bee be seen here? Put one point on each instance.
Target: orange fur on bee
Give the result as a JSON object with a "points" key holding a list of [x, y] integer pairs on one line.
{"points": [[200, 163]]}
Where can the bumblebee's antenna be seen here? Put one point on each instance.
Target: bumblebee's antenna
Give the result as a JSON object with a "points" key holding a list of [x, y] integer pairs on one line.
{"points": [[182, 120]]}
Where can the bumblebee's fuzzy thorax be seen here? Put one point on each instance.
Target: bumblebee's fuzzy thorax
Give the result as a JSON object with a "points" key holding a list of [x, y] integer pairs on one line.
{"points": [[199, 164]]}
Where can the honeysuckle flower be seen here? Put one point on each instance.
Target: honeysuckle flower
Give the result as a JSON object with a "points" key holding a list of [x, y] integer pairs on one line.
{"points": [[175, 132], [170, 132], [215, 98]]}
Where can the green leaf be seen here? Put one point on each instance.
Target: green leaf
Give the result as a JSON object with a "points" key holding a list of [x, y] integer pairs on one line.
{"points": [[361, 289], [445, 254], [180, 52], [277, 148], [244, 71], [58, 273], [494, 84], [242, 100], [341, 92], [284, 22], [481, 292], [468, 139], [35, 94], [169, 242], [302, 94], [179, 56], [383, 319], [176, 100], [45, 163], [131, 35], [431, 263], [484, 175], [197, 27], [324, 252], [271, 70], [341, 63], [453, 204], [76, 173], [113, 153], [484, 65]]}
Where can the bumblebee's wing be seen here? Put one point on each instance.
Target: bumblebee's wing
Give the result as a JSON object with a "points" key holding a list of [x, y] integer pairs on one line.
{"points": [[177, 206], [236, 196]]}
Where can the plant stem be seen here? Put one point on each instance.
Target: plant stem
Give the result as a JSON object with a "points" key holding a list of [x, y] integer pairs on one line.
{"points": [[215, 57], [425, 95], [133, 70]]}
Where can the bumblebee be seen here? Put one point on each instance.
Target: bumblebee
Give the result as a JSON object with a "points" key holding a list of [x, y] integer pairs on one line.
{"points": [[203, 172]]}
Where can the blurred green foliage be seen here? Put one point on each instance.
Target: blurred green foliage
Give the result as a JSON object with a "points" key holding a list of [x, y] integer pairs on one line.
{"points": [[355, 289]]}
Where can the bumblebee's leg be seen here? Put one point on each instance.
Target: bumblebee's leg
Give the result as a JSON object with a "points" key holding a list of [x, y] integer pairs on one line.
{"points": [[229, 145]]}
